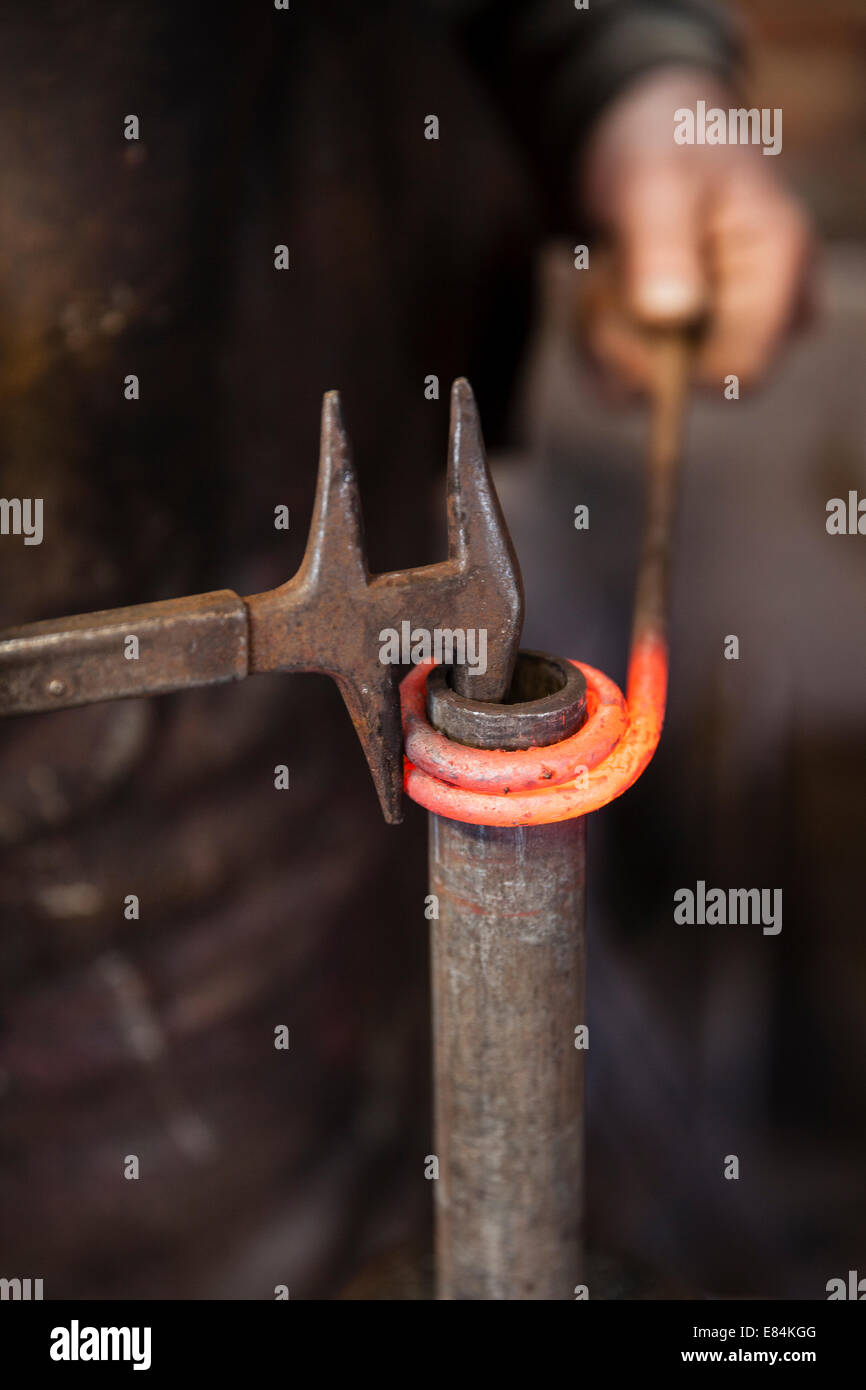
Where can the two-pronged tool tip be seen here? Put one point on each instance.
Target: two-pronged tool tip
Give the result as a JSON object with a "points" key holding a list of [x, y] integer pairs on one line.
{"points": [[334, 616]]}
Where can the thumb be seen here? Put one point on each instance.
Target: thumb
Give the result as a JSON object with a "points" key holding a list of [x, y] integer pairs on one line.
{"points": [[658, 230]]}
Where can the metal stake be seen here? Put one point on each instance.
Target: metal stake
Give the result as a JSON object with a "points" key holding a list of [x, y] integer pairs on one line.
{"points": [[508, 983]]}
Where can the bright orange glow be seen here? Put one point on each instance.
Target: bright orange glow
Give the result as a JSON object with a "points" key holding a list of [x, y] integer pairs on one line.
{"points": [[537, 786]]}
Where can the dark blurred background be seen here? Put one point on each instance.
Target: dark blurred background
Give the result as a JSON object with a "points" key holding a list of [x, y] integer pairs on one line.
{"points": [[712, 1041], [154, 1037]]}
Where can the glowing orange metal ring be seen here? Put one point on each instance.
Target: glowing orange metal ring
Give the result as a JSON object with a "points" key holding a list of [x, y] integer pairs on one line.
{"points": [[536, 786]]}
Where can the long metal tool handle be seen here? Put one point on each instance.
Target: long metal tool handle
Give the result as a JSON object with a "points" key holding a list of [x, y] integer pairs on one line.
{"points": [[149, 649]]}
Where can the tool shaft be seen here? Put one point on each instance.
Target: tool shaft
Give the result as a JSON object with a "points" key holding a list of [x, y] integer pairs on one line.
{"points": [[671, 352], [178, 644]]}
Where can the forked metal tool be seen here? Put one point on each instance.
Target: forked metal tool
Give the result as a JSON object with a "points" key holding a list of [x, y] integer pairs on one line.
{"points": [[328, 618]]}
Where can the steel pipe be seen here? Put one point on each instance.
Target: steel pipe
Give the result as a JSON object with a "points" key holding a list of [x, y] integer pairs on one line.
{"points": [[508, 962]]}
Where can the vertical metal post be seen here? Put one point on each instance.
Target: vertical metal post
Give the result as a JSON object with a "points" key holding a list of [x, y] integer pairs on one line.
{"points": [[508, 960]]}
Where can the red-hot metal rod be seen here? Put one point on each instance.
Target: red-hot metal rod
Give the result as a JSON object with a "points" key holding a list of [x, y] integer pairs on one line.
{"points": [[573, 777]]}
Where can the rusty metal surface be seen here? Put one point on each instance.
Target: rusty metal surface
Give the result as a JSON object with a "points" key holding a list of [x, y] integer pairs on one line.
{"points": [[508, 980], [546, 703], [181, 643], [331, 617]]}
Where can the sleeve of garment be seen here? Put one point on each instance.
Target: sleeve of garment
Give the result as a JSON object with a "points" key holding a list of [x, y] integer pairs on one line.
{"points": [[551, 67]]}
